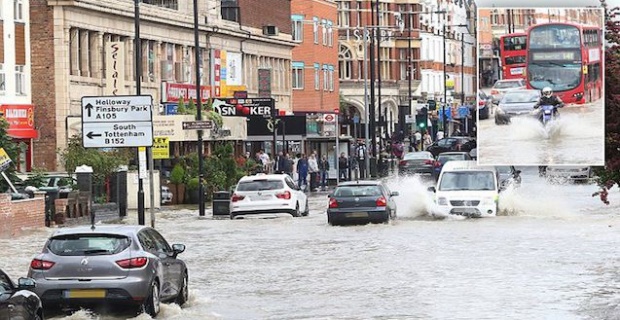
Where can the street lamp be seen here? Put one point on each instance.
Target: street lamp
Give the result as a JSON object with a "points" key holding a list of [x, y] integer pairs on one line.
{"points": [[445, 77]]}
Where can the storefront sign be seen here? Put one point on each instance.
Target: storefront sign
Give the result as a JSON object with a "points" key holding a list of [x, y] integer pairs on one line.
{"points": [[244, 107], [115, 69], [161, 148], [20, 119], [217, 70], [234, 68], [172, 91], [5, 160]]}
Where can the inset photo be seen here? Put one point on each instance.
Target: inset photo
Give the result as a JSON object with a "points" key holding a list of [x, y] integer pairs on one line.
{"points": [[541, 86]]}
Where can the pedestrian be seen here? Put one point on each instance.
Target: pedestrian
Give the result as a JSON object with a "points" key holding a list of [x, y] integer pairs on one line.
{"points": [[302, 171], [439, 135], [343, 167], [361, 153], [418, 140], [324, 169], [279, 163], [427, 141], [288, 165], [313, 169]]}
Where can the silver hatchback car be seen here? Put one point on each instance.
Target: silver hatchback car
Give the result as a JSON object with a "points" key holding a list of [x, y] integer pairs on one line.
{"points": [[110, 264]]}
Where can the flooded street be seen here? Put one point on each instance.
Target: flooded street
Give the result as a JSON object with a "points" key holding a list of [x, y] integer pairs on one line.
{"points": [[552, 255], [576, 138]]}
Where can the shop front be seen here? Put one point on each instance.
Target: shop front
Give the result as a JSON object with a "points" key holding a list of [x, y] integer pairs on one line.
{"points": [[22, 131], [321, 137], [290, 134]]}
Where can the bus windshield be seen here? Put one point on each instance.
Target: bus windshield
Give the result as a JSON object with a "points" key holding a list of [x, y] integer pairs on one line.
{"points": [[557, 76], [512, 43], [554, 36]]}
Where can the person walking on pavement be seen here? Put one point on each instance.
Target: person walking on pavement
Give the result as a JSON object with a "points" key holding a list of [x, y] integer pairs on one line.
{"points": [[343, 167], [313, 168], [418, 141], [324, 169], [302, 171], [288, 165], [279, 163], [427, 141], [361, 153]]}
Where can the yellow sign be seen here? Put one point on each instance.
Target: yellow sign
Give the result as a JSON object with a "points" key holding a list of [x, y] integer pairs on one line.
{"points": [[450, 83], [5, 160], [585, 69], [161, 148]]}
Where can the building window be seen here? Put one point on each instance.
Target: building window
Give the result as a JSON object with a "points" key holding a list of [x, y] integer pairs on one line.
{"points": [[345, 63], [2, 79], [331, 78], [324, 31], [230, 10], [20, 80], [344, 13], [168, 4], [325, 78], [315, 30], [298, 30], [298, 75], [19, 10], [359, 14], [330, 35], [317, 77]]}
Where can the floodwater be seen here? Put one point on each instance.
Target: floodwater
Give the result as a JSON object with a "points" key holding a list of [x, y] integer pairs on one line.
{"points": [[576, 138], [551, 255]]}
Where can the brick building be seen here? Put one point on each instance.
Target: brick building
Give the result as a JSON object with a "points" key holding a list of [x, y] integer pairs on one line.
{"points": [[15, 69], [73, 44]]}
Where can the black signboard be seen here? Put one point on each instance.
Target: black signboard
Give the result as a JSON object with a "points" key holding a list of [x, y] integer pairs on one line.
{"points": [[556, 55], [295, 125], [252, 107]]}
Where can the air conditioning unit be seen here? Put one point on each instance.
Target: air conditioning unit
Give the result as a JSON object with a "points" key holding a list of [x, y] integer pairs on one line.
{"points": [[270, 30]]}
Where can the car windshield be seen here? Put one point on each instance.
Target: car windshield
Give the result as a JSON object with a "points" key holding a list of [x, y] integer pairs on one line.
{"points": [[357, 191], [520, 97], [467, 180], [418, 155], [88, 244], [503, 169], [507, 84], [260, 185]]}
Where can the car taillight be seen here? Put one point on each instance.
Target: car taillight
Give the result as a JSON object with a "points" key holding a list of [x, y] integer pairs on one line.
{"points": [[333, 203], [381, 202], [437, 164], [286, 195], [132, 263], [429, 161], [38, 264], [402, 162], [235, 197]]}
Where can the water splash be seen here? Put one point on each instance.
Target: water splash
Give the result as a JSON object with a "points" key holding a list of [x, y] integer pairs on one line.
{"points": [[414, 199]]}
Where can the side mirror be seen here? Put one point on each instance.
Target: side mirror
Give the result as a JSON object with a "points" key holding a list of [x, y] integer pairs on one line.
{"points": [[394, 194], [25, 283], [432, 189], [178, 248]]}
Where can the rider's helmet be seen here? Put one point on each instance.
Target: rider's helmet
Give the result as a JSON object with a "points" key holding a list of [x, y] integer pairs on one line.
{"points": [[547, 92]]}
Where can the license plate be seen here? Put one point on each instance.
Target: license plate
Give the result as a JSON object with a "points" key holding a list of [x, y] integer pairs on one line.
{"points": [[260, 198], [85, 293], [357, 215]]}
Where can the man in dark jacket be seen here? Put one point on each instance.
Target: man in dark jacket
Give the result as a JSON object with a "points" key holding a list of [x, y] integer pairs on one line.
{"points": [[279, 163], [323, 170], [302, 170], [343, 167], [548, 99]]}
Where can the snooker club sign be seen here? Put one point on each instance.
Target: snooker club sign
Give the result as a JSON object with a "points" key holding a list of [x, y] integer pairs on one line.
{"points": [[253, 107]]}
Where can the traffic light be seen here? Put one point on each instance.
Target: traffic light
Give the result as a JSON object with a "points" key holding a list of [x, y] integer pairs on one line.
{"points": [[421, 121]]}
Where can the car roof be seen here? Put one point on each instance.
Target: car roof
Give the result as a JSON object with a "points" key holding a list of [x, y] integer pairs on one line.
{"points": [[263, 176], [126, 230], [360, 182]]}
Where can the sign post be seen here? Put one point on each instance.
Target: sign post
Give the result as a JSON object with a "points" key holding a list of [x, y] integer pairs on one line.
{"points": [[337, 111], [5, 162], [121, 122]]}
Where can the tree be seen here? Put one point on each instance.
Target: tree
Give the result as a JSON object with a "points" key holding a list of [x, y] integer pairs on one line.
{"points": [[611, 171], [12, 149]]}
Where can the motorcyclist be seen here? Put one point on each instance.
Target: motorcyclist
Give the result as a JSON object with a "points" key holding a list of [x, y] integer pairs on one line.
{"points": [[548, 99]]}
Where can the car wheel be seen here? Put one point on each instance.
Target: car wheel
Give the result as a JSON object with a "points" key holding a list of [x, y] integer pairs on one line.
{"points": [[297, 213], [183, 296], [307, 209], [152, 303], [38, 315]]}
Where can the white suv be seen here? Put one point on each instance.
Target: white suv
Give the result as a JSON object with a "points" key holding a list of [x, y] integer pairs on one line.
{"points": [[268, 194]]}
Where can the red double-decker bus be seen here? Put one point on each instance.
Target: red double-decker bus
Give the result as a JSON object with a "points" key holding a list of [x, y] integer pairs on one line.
{"points": [[568, 58], [513, 52]]}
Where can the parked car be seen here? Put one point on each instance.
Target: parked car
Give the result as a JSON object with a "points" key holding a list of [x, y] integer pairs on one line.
{"points": [[17, 301], [508, 176], [519, 102], [420, 162], [109, 264], [452, 144], [166, 195], [570, 173], [485, 103], [361, 201], [268, 194], [502, 86], [444, 157]]}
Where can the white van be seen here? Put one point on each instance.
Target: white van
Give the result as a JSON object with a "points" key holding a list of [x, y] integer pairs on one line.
{"points": [[466, 189]]}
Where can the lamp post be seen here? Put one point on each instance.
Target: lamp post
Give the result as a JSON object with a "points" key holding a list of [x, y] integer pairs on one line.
{"points": [[138, 75], [445, 77], [201, 204]]}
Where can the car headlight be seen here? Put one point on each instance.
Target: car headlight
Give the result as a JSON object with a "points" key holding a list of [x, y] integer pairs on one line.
{"points": [[442, 201]]}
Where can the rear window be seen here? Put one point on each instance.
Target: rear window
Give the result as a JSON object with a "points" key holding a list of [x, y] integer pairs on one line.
{"points": [[88, 244], [418, 155], [357, 191], [260, 185]]}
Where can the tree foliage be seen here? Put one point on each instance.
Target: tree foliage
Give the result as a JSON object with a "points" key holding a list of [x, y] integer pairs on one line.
{"points": [[12, 149]]}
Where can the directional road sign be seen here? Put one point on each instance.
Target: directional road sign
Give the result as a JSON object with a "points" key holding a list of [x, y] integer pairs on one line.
{"points": [[197, 125], [117, 121]]}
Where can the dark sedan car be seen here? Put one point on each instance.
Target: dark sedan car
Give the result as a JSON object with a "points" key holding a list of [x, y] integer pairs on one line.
{"points": [[444, 157], [16, 301], [420, 162], [464, 144], [519, 102], [361, 201]]}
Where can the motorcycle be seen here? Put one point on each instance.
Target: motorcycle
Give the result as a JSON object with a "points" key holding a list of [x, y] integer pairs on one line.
{"points": [[547, 114]]}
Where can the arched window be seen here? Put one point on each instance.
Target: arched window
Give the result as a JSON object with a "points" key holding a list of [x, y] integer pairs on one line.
{"points": [[345, 63]]}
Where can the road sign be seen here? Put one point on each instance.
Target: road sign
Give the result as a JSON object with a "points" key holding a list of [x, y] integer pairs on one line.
{"points": [[198, 125], [5, 160], [117, 121], [161, 148]]}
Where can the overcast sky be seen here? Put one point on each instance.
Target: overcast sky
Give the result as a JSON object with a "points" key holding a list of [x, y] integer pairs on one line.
{"points": [[542, 3]]}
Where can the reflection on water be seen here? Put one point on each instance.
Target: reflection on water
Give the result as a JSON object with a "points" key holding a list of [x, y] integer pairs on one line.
{"points": [[577, 137]]}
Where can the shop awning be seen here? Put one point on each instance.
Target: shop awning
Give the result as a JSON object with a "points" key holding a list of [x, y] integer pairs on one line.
{"points": [[23, 133]]}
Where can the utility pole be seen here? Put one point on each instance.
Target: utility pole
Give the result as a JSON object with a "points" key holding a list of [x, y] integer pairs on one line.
{"points": [[445, 89], [138, 75], [462, 69], [381, 117], [201, 161], [409, 63], [371, 113]]}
